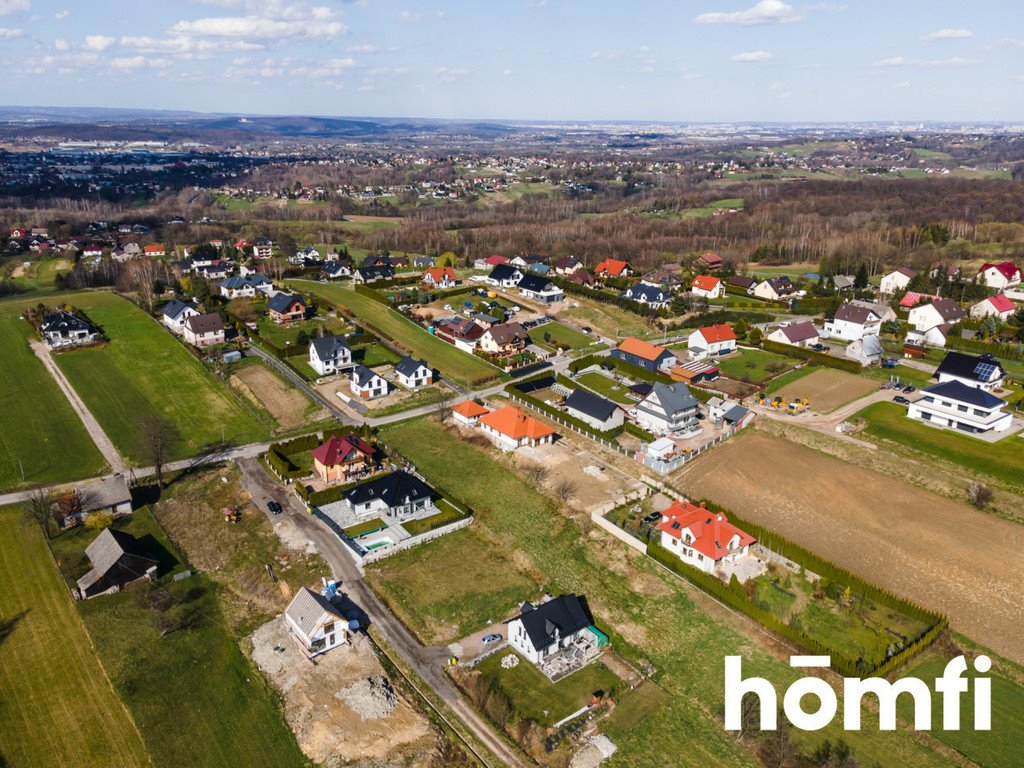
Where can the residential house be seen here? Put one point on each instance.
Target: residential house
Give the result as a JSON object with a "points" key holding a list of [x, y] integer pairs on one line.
{"points": [[932, 337], [707, 286], [710, 261], [204, 330], [913, 298], [263, 248], [843, 282], [668, 408], [215, 270], [742, 281], [329, 354], [414, 374], [117, 559], [423, 262], [956, 405], [866, 350], [594, 410], [486, 321], [398, 495], [583, 278], [176, 312], [643, 354], [539, 288], [940, 311], [798, 334], [779, 288], [315, 623], [702, 538], [1002, 276], [468, 413], [981, 372], [246, 286], [884, 311], [460, 332], [131, 251], [154, 251], [342, 458], [335, 269], [998, 306], [63, 329], [613, 268], [852, 322], [510, 428], [647, 295], [367, 385], [549, 629], [504, 339], [666, 279], [373, 274], [440, 277], [504, 276], [949, 271], [538, 268], [712, 340], [567, 265], [286, 307], [897, 280]]}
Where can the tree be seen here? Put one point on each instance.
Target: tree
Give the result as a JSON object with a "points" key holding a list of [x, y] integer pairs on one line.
{"points": [[159, 438], [980, 495], [564, 490], [740, 328], [38, 504], [200, 288], [755, 336], [860, 280]]}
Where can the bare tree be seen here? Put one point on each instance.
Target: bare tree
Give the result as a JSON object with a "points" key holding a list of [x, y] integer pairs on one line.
{"points": [[38, 505], [564, 489], [159, 437], [980, 495], [537, 473]]}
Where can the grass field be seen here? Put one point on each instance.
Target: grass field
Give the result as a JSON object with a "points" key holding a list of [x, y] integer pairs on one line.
{"points": [[284, 334], [647, 612], [607, 319], [1003, 460], [40, 433], [753, 365], [605, 387], [561, 336], [789, 377], [57, 706], [268, 390], [453, 363], [144, 372]]}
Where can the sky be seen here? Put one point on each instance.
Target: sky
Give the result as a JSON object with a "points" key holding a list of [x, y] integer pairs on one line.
{"points": [[674, 60]]}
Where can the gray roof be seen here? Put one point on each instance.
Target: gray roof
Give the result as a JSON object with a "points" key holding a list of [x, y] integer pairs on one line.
{"points": [[735, 414], [407, 366], [674, 397], [534, 283], [394, 489], [854, 313], [649, 293], [174, 308], [328, 346], [105, 551], [948, 309], [872, 346], [103, 493], [984, 368], [62, 321], [281, 302], [800, 331], [307, 609], [361, 375], [957, 390], [566, 614], [589, 404]]}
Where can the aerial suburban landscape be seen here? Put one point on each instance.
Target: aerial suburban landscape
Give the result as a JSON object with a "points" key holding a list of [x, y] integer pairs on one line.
{"points": [[468, 439]]}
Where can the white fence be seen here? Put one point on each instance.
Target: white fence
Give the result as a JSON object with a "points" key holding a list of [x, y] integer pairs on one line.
{"points": [[598, 516], [379, 554]]}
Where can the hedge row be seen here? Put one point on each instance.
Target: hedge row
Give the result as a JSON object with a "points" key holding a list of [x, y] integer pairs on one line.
{"points": [[598, 294], [327, 495], [283, 466], [582, 426], [818, 358], [442, 518], [1006, 351]]}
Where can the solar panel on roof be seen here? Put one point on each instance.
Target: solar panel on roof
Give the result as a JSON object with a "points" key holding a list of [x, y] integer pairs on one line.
{"points": [[984, 371]]}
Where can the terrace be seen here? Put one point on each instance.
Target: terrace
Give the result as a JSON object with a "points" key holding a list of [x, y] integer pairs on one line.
{"points": [[583, 649]]}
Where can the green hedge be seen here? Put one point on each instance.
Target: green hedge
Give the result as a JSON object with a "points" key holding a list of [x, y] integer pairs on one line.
{"points": [[328, 495], [448, 514], [818, 358], [283, 466], [605, 297], [1005, 351]]}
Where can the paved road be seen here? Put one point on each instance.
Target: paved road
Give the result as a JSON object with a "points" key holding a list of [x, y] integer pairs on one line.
{"points": [[826, 423], [117, 464], [427, 661]]}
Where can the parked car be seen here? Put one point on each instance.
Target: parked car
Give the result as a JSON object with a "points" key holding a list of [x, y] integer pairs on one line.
{"points": [[908, 389], [274, 507], [653, 517], [491, 639], [901, 400]]}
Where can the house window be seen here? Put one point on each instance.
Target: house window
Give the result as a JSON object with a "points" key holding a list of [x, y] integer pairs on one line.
{"points": [[328, 627], [962, 408]]}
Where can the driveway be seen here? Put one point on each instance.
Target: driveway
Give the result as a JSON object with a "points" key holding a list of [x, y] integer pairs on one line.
{"points": [[471, 647]]}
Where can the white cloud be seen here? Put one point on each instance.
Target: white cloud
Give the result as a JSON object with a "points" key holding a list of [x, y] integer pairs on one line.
{"points": [[947, 34], [763, 12], [414, 16], [61, 44], [894, 61], [260, 28], [901, 84], [61, 15], [128, 63], [364, 48], [753, 57], [10, 34], [448, 75], [900, 61], [98, 42], [506, 72], [14, 6]]}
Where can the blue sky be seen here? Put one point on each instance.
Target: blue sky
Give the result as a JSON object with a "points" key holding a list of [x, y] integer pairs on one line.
{"points": [[681, 60]]}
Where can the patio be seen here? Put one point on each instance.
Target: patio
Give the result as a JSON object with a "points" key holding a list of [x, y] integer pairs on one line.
{"points": [[583, 650]]}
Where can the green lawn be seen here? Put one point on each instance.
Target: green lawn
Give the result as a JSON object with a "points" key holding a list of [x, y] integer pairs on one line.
{"points": [[57, 707], [605, 387], [144, 372], [1003, 460], [40, 433], [608, 319], [537, 698], [560, 335], [648, 613], [789, 377], [753, 365], [374, 354], [284, 334], [453, 363]]}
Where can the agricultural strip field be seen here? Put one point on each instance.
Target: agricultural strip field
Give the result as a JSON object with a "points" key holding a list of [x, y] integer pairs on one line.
{"points": [[57, 706], [828, 389], [647, 612], [143, 372], [453, 363], [289, 407], [867, 522], [40, 433], [1003, 460]]}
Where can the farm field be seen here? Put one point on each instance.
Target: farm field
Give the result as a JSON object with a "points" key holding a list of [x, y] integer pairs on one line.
{"points": [[58, 707], [828, 389], [265, 389], [607, 319], [700, 213], [39, 274], [1003, 460], [605, 387], [40, 433], [453, 363], [143, 372], [560, 335], [853, 523], [647, 612], [753, 365]]}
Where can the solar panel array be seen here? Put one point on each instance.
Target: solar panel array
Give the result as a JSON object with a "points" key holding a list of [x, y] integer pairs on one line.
{"points": [[984, 371]]}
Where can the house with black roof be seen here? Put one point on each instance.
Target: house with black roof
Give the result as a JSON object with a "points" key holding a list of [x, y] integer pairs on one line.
{"points": [[413, 373], [367, 385], [373, 274], [63, 329], [560, 629], [648, 295], [399, 495], [595, 411], [984, 372], [504, 276], [176, 313], [329, 354], [286, 307], [955, 405], [539, 288]]}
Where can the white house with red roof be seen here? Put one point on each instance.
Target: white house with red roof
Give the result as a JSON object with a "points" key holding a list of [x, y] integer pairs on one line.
{"points": [[999, 276], [702, 538], [998, 305], [708, 286], [440, 277], [712, 340], [613, 268]]}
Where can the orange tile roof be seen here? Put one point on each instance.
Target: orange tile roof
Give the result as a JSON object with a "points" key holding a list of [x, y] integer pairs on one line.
{"points": [[641, 348], [711, 531], [437, 274], [515, 424], [469, 409], [613, 267], [705, 282], [713, 333], [153, 248]]}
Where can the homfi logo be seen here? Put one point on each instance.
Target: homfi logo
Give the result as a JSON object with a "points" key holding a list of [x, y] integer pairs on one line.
{"points": [[951, 686]]}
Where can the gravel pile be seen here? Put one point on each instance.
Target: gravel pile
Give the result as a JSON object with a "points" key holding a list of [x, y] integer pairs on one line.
{"points": [[372, 698], [597, 748]]}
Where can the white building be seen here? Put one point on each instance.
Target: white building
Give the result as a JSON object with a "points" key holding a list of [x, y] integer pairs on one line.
{"points": [[413, 374], [998, 306], [315, 623], [982, 372], [204, 330], [648, 295], [540, 289], [711, 341], [546, 630], [897, 281], [329, 354], [999, 276], [798, 334], [367, 385], [63, 329], [175, 313], [925, 316], [775, 289], [668, 408], [708, 286], [398, 495], [853, 322], [955, 405], [595, 411], [702, 538]]}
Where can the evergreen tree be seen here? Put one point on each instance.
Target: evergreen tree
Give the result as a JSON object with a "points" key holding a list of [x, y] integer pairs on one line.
{"points": [[860, 280]]}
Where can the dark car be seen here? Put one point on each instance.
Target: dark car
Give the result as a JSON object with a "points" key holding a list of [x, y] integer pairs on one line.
{"points": [[653, 517], [274, 507], [901, 400], [908, 389], [586, 329]]}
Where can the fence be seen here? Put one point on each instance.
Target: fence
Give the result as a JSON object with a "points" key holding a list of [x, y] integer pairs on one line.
{"points": [[664, 467], [606, 443], [379, 554], [617, 532]]}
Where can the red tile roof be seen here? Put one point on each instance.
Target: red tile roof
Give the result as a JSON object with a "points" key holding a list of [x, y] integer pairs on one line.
{"points": [[641, 348], [912, 299], [469, 409], [705, 282], [1008, 268], [1001, 303], [496, 260], [336, 449], [515, 424], [714, 333], [612, 267], [711, 531], [438, 274]]}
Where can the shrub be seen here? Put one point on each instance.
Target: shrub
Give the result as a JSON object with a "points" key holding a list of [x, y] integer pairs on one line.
{"points": [[97, 521]]}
